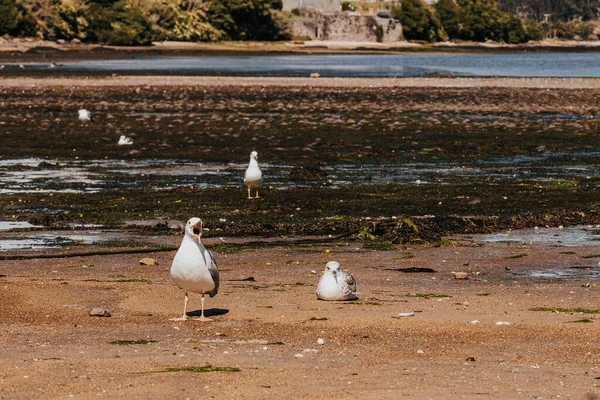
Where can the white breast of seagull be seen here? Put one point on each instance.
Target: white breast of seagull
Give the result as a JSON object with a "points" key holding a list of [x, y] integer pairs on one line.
{"points": [[84, 115], [253, 177], [330, 289], [190, 268]]}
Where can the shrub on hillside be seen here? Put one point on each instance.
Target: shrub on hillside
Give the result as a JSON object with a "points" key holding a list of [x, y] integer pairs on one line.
{"points": [[178, 20], [117, 23], [16, 20], [418, 20], [249, 19]]}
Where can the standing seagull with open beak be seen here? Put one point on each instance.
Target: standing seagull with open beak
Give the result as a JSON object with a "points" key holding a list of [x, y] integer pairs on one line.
{"points": [[194, 269], [253, 177]]}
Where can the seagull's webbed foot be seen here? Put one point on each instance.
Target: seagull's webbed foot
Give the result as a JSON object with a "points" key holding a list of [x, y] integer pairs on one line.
{"points": [[184, 318]]}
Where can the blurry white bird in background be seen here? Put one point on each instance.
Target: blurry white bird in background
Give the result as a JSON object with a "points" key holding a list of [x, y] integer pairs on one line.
{"points": [[125, 141], [85, 115]]}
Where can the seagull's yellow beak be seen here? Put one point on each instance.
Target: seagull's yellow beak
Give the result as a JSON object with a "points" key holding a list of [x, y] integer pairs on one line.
{"points": [[197, 230]]}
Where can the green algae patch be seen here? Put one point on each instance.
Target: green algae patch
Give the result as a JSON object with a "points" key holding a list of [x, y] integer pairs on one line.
{"points": [[379, 246], [132, 280], [231, 248], [447, 242], [203, 368], [566, 310], [581, 321], [428, 295]]}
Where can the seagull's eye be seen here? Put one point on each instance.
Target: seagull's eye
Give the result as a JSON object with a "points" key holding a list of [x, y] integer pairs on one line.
{"points": [[196, 230]]}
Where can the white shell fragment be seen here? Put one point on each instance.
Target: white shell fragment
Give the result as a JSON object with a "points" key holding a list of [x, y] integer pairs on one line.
{"points": [[407, 314]]}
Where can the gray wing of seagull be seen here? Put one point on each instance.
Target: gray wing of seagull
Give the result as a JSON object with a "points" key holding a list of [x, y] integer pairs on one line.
{"points": [[214, 272], [350, 288]]}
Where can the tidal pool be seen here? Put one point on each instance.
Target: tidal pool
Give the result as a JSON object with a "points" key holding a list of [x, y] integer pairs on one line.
{"points": [[13, 225], [568, 237], [47, 241]]}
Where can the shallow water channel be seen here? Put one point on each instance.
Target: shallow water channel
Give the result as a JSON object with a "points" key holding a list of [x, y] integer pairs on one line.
{"points": [[32, 175]]}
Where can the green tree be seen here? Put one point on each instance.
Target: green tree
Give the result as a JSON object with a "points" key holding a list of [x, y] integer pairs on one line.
{"points": [[448, 13], [573, 30], [115, 22], [249, 19], [16, 20], [418, 20], [9, 16], [533, 30], [513, 31], [480, 20]]}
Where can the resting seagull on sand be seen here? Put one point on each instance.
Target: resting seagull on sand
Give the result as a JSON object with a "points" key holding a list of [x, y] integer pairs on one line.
{"points": [[125, 141], [85, 115], [253, 177], [336, 284], [194, 268]]}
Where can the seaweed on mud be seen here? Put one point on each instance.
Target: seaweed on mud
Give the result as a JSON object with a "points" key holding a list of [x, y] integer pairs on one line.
{"points": [[203, 368], [130, 342], [378, 245], [310, 172], [463, 127], [566, 310], [428, 295], [248, 279], [231, 248], [412, 270]]}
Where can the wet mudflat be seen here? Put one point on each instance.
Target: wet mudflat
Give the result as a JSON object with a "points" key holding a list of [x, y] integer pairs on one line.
{"points": [[331, 156], [397, 183]]}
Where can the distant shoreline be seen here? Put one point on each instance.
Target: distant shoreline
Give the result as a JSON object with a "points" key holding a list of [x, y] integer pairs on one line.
{"points": [[29, 50], [11, 81]]}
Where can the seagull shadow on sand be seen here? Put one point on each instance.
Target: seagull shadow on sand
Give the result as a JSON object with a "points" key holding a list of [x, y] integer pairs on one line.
{"points": [[208, 312]]}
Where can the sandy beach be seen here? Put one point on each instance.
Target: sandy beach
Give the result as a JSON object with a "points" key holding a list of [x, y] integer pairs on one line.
{"points": [[267, 321], [510, 330]]}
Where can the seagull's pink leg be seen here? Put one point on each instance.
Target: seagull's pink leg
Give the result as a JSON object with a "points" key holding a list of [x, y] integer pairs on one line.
{"points": [[184, 317]]}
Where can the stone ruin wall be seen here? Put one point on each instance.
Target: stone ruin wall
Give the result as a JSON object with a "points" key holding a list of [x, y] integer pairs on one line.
{"points": [[347, 28]]}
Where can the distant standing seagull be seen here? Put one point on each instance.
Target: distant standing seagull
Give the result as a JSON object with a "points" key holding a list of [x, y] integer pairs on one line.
{"points": [[253, 177], [194, 268], [336, 284], [85, 116], [125, 141]]}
